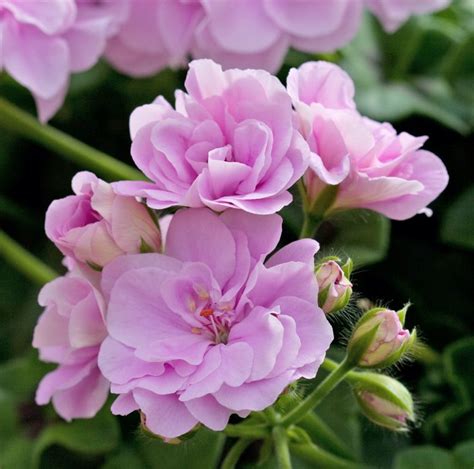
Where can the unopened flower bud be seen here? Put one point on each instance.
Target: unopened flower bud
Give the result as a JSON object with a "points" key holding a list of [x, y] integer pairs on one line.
{"points": [[335, 288], [379, 339], [385, 401]]}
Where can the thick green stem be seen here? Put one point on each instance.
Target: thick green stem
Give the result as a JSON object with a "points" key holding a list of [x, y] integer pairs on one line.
{"points": [[25, 125], [235, 453], [281, 447], [325, 436], [320, 458], [247, 431], [310, 225], [313, 399], [24, 261], [315, 211]]}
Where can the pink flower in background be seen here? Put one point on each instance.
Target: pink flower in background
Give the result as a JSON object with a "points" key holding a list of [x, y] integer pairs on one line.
{"points": [[42, 43], [96, 225], [69, 333], [230, 143], [156, 34], [257, 34], [209, 328], [393, 13], [372, 165]]}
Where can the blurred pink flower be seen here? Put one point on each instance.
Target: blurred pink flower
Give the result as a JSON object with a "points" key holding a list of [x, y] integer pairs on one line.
{"points": [[96, 225], [208, 328], [393, 13], [69, 333], [230, 143], [156, 34], [258, 33], [42, 43], [372, 166]]}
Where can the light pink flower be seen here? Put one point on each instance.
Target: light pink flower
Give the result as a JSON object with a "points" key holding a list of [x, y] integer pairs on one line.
{"points": [[96, 225], [372, 166], [393, 13], [69, 333], [258, 33], [230, 143], [42, 43], [209, 328], [156, 34]]}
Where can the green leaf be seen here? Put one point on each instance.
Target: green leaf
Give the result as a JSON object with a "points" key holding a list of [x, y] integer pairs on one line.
{"points": [[423, 457], [464, 455], [126, 458], [458, 223], [397, 100], [362, 235], [20, 377], [203, 450], [16, 453], [457, 359], [94, 436]]}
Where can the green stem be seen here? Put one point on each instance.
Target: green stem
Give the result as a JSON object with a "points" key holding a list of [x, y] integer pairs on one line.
{"points": [[281, 447], [310, 225], [325, 436], [317, 428], [24, 261], [25, 125], [235, 453], [247, 431], [313, 399], [320, 458], [271, 415]]}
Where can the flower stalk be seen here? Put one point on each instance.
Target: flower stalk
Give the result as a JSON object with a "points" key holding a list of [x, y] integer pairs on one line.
{"points": [[25, 262], [314, 398], [282, 450], [21, 123], [235, 453]]}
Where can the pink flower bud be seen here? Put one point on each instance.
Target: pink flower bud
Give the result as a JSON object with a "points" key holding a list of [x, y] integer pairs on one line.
{"points": [[96, 225], [379, 339], [385, 401], [335, 289]]}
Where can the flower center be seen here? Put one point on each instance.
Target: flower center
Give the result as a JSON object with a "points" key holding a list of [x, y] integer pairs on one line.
{"points": [[215, 316]]}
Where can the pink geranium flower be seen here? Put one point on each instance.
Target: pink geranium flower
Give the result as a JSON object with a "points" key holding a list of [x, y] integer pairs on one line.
{"points": [[69, 333], [209, 328], [372, 166], [230, 143], [96, 225], [42, 43]]}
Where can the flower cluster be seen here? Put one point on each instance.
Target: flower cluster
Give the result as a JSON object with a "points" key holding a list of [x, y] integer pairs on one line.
{"points": [[41, 43], [234, 140], [193, 317], [189, 333]]}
